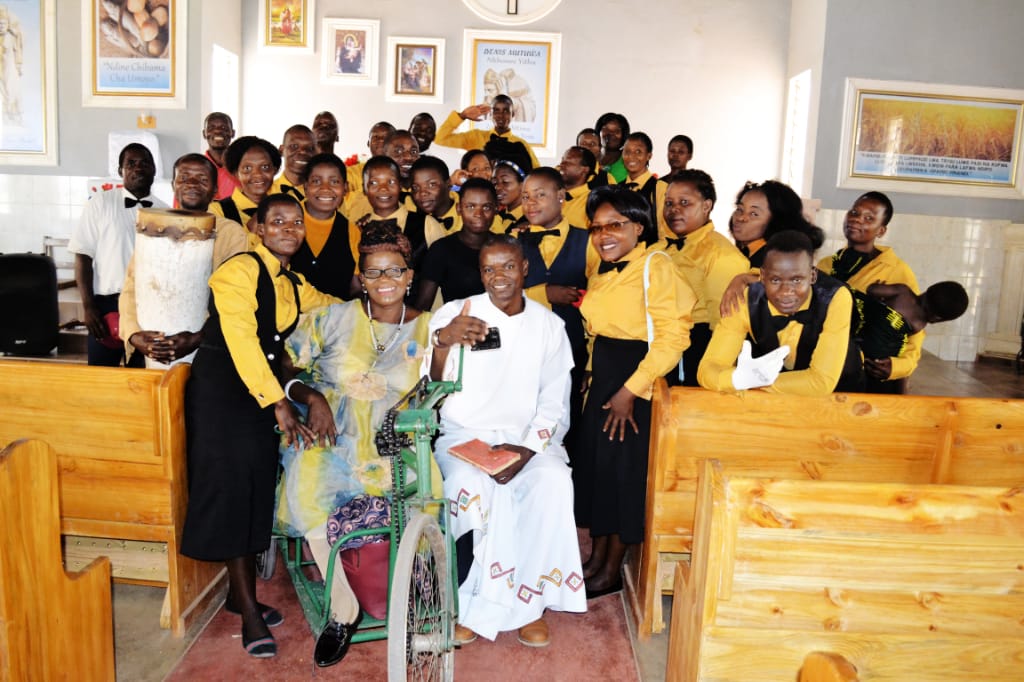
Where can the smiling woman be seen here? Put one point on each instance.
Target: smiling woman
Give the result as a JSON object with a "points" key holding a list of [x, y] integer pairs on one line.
{"points": [[254, 162]]}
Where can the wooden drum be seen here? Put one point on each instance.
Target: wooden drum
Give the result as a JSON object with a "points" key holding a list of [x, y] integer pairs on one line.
{"points": [[173, 261]]}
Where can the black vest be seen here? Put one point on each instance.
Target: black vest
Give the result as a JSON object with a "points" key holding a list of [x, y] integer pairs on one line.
{"points": [[331, 271], [764, 338], [568, 269]]}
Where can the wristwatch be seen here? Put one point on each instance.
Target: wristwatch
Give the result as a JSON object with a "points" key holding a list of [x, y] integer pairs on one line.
{"points": [[438, 343]]}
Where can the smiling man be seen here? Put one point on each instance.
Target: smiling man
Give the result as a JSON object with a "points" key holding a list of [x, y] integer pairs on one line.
{"points": [[796, 320], [103, 241], [325, 132], [500, 111], [296, 151], [218, 131], [519, 549], [195, 184]]}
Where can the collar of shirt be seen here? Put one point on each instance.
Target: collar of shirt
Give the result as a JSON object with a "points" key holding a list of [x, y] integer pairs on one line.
{"points": [[636, 254], [803, 306], [242, 202], [692, 239], [399, 216], [638, 184]]}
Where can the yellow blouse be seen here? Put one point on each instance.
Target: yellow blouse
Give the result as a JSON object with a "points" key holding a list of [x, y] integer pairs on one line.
{"points": [[614, 307], [234, 291], [827, 360]]}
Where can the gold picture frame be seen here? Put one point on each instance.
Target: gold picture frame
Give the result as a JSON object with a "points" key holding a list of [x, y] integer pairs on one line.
{"points": [[28, 117], [287, 26]]}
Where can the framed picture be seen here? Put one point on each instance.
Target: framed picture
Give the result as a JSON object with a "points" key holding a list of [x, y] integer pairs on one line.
{"points": [[351, 48], [524, 66], [932, 139], [28, 83], [134, 60], [415, 70], [287, 26]]}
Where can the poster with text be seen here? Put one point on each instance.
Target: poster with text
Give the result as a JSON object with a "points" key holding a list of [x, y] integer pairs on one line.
{"points": [[133, 47]]}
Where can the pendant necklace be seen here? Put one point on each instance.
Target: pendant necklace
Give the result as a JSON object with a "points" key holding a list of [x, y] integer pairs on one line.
{"points": [[382, 348]]}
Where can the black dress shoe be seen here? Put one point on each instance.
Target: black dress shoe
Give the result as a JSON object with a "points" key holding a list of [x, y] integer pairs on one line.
{"points": [[333, 643]]}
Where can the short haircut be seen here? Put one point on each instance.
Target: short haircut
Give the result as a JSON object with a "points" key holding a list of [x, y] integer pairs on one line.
{"points": [[238, 148], [427, 162], [642, 138], [217, 114], [494, 241], [271, 200], [399, 132], [383, 235], [786, 208], [422, 114], [503, 98], [478, 183], [630, 204], [790, 241], [134, 146], [547, 173], [383, 124], [618, 118], [883, 200], [586, 131], [196, 158], [685, 140], [378, 162], [468, 157], [946, 300], [587, 157], [326, 159], [297, 128], [703, 183]]}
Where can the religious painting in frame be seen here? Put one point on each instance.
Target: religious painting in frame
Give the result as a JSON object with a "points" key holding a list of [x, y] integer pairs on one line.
{"points": [[28, 83], [523, 65], [415, 70], [351, 50], [134, 58], [932, 139], [287, 26]]}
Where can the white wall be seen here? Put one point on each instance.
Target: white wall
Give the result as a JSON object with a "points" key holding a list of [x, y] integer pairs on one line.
{"points": [[714, 70]]}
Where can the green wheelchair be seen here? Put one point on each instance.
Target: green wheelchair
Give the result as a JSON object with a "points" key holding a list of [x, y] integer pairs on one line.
{"points": [[422, 576]]}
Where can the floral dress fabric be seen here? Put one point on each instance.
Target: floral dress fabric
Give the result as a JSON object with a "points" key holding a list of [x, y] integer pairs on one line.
{"points": [[335, 348]]}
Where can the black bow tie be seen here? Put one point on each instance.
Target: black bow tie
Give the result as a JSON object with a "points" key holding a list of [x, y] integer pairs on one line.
{"points": [[131, 203], [447, 222], [249, 211], [289, 275], [779, 322], [631, 185], [534, 237], [678, 243], [288, 189], [607, 266]]}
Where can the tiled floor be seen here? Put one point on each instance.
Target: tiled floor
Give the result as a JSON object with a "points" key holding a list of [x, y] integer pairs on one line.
{"points": [[144, 652]]}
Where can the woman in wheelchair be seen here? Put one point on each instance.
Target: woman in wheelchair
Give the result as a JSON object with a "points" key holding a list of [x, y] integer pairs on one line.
{"points": [[362, 356]]}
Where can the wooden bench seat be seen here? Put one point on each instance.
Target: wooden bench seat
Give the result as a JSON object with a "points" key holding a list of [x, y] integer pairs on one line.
{"points": [[841, 437], [904, 581], [119, 435], [53, 626]]}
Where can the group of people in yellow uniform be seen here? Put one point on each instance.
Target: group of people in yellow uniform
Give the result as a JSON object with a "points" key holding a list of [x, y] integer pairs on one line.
{"points": [[643, 282]]}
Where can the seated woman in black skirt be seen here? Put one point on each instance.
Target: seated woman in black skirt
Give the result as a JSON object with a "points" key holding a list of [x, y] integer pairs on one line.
{"points": [[638, 309], [233, 401]]}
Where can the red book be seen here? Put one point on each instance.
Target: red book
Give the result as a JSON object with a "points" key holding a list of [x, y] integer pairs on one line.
{"points": [[480, 454]]}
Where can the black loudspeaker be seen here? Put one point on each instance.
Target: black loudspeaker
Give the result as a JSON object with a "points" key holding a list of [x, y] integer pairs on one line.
{"points": [[29, 318]]}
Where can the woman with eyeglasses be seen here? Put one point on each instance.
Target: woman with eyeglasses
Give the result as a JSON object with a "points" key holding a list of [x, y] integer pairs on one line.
{"points": [[362, 356], [638, 311]]}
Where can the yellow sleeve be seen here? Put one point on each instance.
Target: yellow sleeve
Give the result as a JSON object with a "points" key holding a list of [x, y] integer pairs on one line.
{"points": [[128, 319], [829, 356], [669, 302], [902, 366], [593, 259], [719, 361], [234, 292], [825, 265], [728, 264], [447, 137], [231, 239], [529, 148], [538, 293], [659, 211]]}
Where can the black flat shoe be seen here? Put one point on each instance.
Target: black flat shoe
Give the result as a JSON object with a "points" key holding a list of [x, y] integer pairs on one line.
{"points": [[611, 589], [333, 643]]}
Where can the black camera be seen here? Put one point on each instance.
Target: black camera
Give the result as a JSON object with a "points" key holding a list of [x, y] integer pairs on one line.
{"points": [[492, 340]]}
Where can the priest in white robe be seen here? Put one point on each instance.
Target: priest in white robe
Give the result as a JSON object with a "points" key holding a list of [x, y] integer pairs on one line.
{"points": [[515, 395]]}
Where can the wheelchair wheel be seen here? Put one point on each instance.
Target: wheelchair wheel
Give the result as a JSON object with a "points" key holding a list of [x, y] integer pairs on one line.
{"points": [[266, 561], [421, 608]]}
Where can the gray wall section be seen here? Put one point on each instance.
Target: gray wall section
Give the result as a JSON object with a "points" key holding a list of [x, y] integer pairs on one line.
{"points": [[82, 131], [957, 42]]}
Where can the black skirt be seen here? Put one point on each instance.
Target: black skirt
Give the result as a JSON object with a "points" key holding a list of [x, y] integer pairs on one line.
{"points": [[232, 463], [610, 476]]}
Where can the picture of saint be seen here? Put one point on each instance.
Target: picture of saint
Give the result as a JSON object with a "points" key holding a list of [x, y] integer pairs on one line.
{"points": [[417, 70], [11, 56], [286, 23], [350, 51]]}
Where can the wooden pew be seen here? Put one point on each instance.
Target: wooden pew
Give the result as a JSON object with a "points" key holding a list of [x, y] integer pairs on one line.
{"points": [[841, 437], [119, 436], [53, 626], [904, 581]]}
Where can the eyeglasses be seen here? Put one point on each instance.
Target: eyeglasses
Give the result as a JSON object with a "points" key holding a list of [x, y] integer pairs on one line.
{"points": [[617, 226], [391, 273]]}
